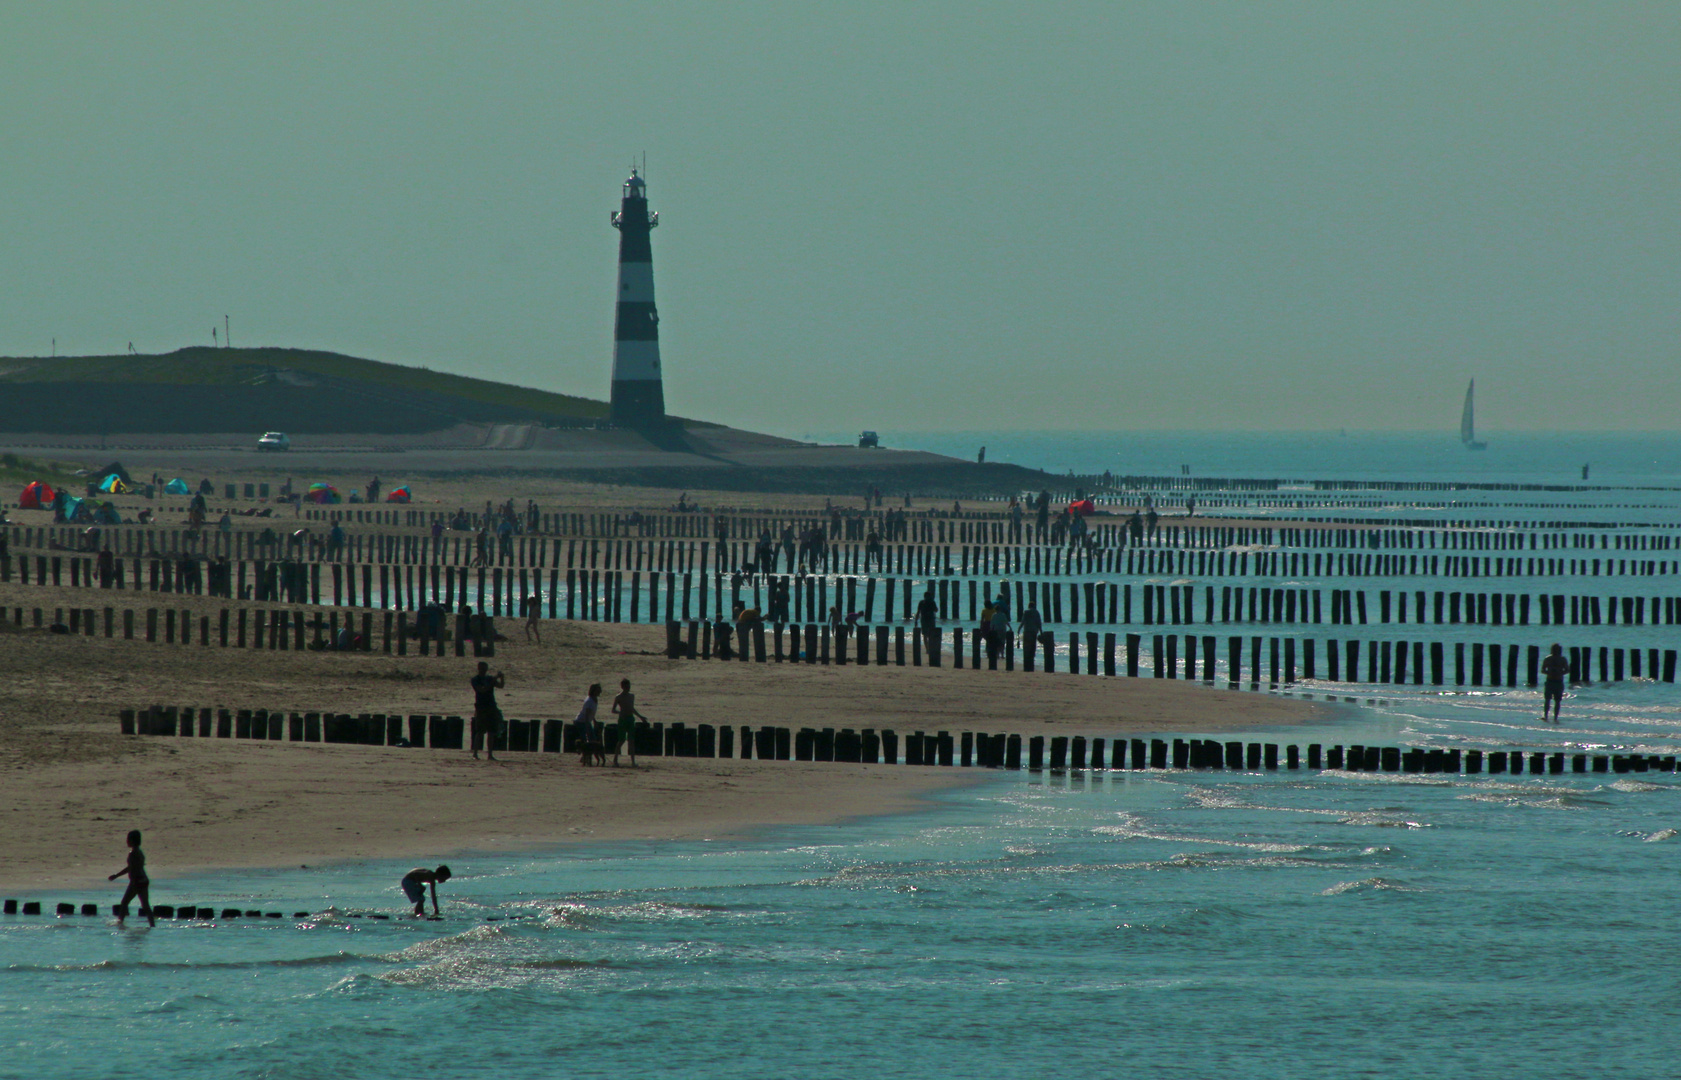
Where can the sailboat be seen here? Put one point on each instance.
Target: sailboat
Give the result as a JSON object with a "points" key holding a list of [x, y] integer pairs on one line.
{"points": [[1468, 421]]}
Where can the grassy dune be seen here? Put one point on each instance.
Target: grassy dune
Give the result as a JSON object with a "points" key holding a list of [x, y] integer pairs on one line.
{"points": [[202, 366]]}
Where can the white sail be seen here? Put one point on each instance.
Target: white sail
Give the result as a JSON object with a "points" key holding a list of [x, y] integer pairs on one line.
{"points": [[1468, 421]]}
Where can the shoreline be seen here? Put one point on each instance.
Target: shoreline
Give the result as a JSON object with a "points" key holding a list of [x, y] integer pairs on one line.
{"points": [[347, 804], [271, 805], [741, 834]]}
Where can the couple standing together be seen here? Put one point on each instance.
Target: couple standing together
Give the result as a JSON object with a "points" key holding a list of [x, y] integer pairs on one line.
{"points": [[488, 722]]}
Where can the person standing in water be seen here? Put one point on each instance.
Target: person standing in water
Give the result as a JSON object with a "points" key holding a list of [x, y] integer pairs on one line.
{"points": [[1554, 669], [927, 620], [624, 707], [139, 885]]}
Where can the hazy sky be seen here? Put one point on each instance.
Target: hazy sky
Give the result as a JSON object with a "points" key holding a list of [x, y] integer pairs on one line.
{"points": [[895, 216]]}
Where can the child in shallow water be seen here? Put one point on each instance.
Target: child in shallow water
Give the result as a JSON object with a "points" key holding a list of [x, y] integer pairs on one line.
{"points": [[139, 885], [414, 887]]}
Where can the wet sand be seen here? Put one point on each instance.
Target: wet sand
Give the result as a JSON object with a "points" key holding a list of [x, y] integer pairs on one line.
{"points": [[74, 785]]}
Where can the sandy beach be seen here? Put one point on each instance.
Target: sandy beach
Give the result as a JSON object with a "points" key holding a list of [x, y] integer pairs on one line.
{"points": [[74, 785]]}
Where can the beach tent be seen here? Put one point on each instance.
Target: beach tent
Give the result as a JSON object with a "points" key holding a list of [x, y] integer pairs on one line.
{"points": [[115, 469], [322, 493], [177, 486], [107, 515], [114, 485], [74, 508], [400, 494], [1082, 507], [36, 496]]}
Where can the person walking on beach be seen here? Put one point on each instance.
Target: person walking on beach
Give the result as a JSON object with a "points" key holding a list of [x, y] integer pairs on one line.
{"points": [[414, 887], [139, 885], [624, 732], [589, 729], [531, 609], [1555, 668], [487, 716]]}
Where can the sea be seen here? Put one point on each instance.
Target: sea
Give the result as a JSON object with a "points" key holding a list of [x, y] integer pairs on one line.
{"points": [[1167, 924]]}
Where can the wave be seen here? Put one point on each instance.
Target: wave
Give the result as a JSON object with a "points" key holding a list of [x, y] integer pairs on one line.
{"points": [[479, 973], [1371, 884], [1540, 799], [1637, 786], [448, 945], [328, 960], [1131, 833], [1379, 819], [1409, 779]]}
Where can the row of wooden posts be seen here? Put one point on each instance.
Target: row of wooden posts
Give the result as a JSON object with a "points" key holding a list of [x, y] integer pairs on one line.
{"points": [[1385, 662], [889, 558], [278, 628], [871, 746], [998, 543], [159, 911], [433, 633], [593, 594]]}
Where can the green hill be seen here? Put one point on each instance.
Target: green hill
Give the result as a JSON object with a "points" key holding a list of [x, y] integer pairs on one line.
{"points": [[205, 366], [209, 389]]}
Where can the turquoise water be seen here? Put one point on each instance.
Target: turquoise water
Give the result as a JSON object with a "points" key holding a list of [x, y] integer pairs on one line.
{"points": [[1511, 457], [1261, 925]]}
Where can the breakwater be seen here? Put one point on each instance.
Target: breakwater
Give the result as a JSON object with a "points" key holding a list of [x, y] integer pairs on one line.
{"points": [[870, 746]]}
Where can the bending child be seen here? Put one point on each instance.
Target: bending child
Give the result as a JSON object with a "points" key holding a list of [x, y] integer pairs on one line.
{"points": [[414, 886]]}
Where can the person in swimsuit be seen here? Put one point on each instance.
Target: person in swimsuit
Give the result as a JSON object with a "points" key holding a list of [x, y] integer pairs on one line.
{"points": [[414, 887], [1555, 668], [624, 707], [138, 883]]}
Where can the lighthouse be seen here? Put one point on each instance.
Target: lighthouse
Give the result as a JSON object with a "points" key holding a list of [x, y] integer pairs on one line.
{"points": [[638, 394]]}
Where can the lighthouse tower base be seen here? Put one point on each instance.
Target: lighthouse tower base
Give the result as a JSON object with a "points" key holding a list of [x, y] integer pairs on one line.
{"points": [[638, 403]]}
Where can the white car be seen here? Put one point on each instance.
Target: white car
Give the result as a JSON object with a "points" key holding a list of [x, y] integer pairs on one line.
{"points": [[274, 440]]}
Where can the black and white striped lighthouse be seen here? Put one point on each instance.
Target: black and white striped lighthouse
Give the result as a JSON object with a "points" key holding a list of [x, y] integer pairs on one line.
{"points": [[638, 394]]}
